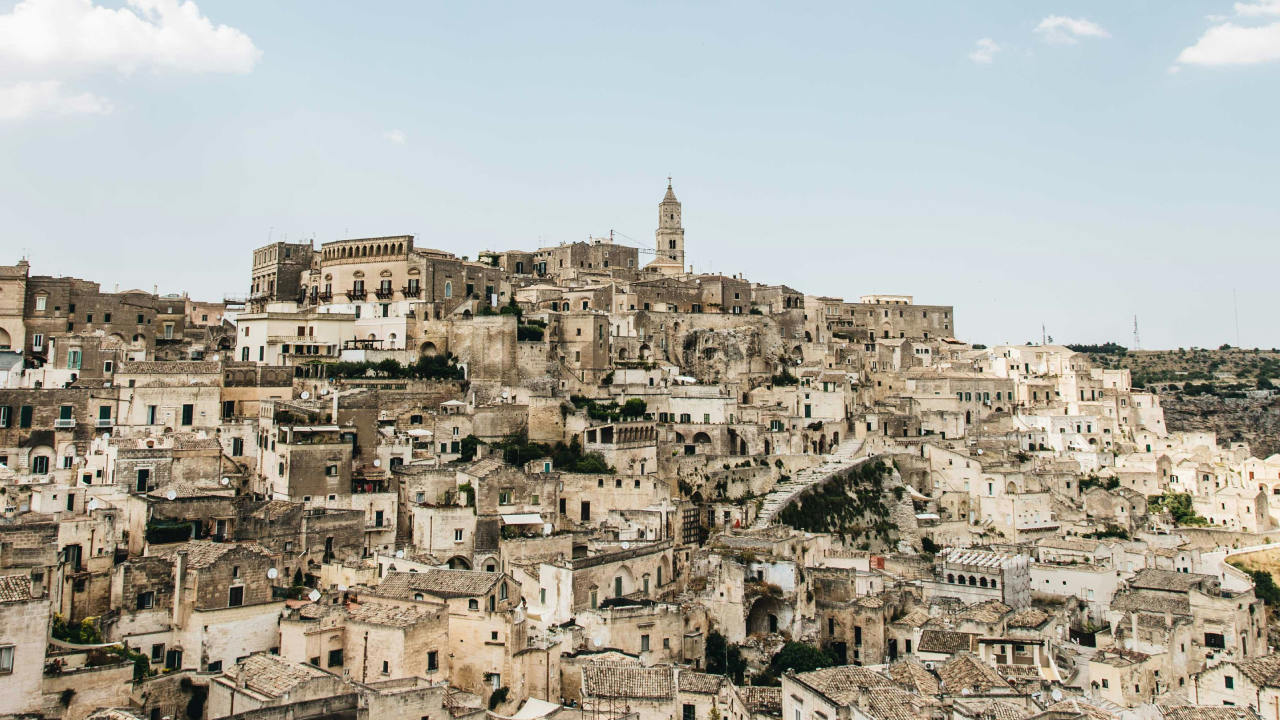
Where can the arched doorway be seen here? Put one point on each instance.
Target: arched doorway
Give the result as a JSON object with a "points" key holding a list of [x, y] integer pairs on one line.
{"points": [[768, 615], [428, 349], [458, 562], [701, 439]]}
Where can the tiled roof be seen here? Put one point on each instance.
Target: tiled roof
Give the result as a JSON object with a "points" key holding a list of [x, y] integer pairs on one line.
{"points": [[15, 588], [1208, 712], [191, 441], [890, 704], [271, 675], [1263, 670], [1151, 602], [1028, 617], [440, 583], [1062, 543], [169, 367], [912, 676], [113, 714], [1153, 579], [1080, 706], [625, 681], [990, 709], [204, 553], [842, 684], [967, 671], [696, 682], [947, 642], [989, 611], [916, 618], [389, 615], [762, 700], [273, 510]]}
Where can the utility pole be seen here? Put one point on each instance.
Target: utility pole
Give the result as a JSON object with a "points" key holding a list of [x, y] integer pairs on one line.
{"points": [[1137, 344]]}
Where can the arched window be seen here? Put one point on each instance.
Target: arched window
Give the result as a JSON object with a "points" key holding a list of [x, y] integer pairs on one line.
{"points": [[973, 580], [993, 584], [448, 289], [951, 578], [982, 582]]}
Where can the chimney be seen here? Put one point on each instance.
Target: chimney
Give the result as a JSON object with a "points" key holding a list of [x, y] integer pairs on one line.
{"points": [[179, 575], [37, 584], [1133, 619]]}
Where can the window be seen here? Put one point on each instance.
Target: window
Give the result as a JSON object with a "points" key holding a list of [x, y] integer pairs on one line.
{"points": [[157, 653], [37, 342], [504, 496], [1230, 681], [335, 658], [6, 414], [433, 661], [215, 666], [457, 535], [1104, 683], [1214, 640], [188, 413], [151, 415], [386, 668], [146, 600], [236, 597], [41, 302], [502, 592], [644, 643], [40, 465], [690, 712]]}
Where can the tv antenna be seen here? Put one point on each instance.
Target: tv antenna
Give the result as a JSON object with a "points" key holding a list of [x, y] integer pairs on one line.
{"points": [[1137, 344]]}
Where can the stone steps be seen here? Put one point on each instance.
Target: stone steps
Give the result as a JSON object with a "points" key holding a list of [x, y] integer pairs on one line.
{"points": [[845, 457]]}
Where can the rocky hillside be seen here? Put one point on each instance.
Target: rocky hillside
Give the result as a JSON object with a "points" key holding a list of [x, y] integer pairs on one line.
{"points": [[1255, 421]]}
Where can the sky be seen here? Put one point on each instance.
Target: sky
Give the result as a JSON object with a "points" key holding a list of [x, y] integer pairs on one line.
{"points": [[1062, 164]]}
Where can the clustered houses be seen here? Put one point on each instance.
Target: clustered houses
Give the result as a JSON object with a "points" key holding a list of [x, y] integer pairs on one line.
{"points": [[585, 480]]}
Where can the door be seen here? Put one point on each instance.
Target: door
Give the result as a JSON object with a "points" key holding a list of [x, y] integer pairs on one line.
{"points": [[893, 650], [144, 477]]}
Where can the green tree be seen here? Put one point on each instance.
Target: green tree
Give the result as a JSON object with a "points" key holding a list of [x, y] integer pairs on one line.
{"points": [[634, 408], [801, 658], [1264, 586], [724, 658]]}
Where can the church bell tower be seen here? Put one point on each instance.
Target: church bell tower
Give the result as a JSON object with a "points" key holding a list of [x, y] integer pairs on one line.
{"points": [[670, 250]]}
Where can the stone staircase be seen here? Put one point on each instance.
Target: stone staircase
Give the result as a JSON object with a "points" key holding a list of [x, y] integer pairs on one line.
{"points": [[844, 457]]}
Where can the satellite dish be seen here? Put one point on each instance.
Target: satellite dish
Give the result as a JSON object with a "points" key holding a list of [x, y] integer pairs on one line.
{"points": [[93, 505], [1056, 694], [225, 481], [106, 436], [598, 642], [400, 554], [171, 495], [626, 545], [315, 595], [305, 395], [964, 691], [377, 463], [324, 391], [979, 451], [505, 395], [272, 573]]}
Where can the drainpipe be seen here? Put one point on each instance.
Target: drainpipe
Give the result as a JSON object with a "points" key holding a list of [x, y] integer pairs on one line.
{"points": [[179, 574]]}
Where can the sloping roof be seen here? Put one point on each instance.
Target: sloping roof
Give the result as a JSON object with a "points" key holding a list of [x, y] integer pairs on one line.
{"points": [[1151, 602], [1062, 543], [204, 553], [990, 709], [389, 615], [169, 367], [947, 641], [890, 704], [271, 675], [696, 682], [1208, 712], [967, 671], [912, 676], [1080, 706], [437, 582], [609, 680], [1167, 580], [842, 684], [15, 588], [1263, 670], [1028, 617], [762, 700], [916, 618], [989, 611], [113, 714]]}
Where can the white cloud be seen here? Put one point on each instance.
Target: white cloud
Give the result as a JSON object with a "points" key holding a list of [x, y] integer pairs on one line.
{"points": [[986, 52], [395, 137], [162, 34], [47, 97], [1256, 9], [1067, 31], [1231, 44], [44, 43]]}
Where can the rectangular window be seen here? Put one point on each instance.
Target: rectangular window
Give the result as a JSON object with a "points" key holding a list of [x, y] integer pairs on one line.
{"points": [[42, 302], [1231, 682], [215, 666], [236, 597], [6, 414], [37, 342], [457, 535], [151, 415], [146, 600], [188, 413], [644, 643], [157, 653], [73, 359], [433, 661], [335, 658]]}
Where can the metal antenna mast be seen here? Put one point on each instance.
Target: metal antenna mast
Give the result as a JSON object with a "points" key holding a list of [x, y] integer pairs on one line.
{"points": [[1137, 344]]}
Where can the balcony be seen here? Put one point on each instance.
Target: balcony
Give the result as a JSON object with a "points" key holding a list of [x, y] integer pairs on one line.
{"points": [[385, 293], [291, 339], [64, 423], [105, 422], [325, 296], [412, 291], [356, 294]]}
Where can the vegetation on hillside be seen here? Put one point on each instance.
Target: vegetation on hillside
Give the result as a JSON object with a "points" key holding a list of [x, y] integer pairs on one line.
{"points": [[850, 504]]}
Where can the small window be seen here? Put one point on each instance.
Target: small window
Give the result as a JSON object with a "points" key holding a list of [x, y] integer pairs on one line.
{"points": [[236, 596], [215, 666], [146, 600]]}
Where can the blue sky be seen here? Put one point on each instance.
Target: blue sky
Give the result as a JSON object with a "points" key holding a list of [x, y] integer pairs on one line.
{"points": [[1107, 159]]}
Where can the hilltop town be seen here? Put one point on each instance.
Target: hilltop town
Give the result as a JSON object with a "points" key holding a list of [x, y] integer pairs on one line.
{"points": [[583, 481]]}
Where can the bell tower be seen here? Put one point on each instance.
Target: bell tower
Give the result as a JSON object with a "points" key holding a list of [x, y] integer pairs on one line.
{"points": [[670, 250]]}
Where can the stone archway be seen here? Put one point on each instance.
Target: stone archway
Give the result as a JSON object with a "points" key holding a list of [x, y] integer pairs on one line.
{"points": [[457, 562], [701, 439], [768, 615], [428, 348]]}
